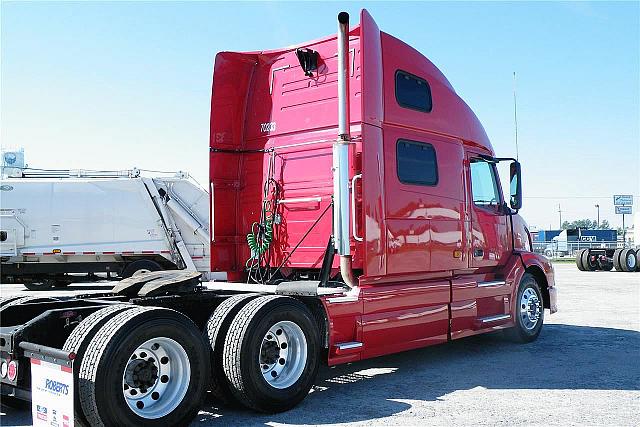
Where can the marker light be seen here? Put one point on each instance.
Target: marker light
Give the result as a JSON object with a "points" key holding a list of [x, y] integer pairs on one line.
{"points": [[12, 371]]}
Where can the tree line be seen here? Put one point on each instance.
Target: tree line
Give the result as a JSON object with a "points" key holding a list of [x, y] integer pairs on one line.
{"points": [[586, 224]]}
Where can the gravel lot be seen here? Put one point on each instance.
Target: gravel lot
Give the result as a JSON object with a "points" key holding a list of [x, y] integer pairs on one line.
{"points": [[584, 369]]}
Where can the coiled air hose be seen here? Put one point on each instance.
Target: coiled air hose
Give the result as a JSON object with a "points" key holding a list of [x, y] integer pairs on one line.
{"points": [[260, 237]]}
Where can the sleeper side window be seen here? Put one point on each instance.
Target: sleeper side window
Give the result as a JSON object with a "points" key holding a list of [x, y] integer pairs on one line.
{"points": [[413, 92], [416, 163], [484, 185]]}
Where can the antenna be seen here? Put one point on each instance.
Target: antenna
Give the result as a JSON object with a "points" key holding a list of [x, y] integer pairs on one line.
{"points": [[515, 112]]}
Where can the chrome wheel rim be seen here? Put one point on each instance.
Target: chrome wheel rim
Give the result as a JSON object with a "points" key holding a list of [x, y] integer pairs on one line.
{"points": [[631, 261], [530, 308], [156, 378], [283, 354]]}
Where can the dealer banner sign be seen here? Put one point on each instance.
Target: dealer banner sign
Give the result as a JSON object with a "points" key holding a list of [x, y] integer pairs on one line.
{"points": [[51, 394]]}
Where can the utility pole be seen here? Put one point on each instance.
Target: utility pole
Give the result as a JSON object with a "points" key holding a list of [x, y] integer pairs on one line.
{"points": [[560, 212], [598, 222]]}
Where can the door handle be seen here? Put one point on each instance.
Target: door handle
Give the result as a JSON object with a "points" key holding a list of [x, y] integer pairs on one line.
{"points": [[478, 252]]}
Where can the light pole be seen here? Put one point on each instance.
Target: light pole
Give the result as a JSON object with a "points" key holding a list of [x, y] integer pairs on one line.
{"points": [[560, 212], [598, 223]]}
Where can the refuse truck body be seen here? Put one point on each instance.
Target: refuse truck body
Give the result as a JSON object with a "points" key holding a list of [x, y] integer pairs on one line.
{"points": [[51, 227], [356, 209]]}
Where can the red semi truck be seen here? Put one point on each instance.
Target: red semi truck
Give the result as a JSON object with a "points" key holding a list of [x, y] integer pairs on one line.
{"points": [[357, 210]]}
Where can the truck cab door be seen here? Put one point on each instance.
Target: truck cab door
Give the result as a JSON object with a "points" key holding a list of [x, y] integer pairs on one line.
{"points": [[489, 228]]}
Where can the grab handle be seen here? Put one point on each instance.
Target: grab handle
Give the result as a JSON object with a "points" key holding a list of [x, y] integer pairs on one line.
{"points": [[353, 207]]}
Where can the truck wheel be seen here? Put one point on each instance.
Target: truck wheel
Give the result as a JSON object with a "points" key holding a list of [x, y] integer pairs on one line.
{"points": [[146, 366], [616, 260], [216, 332], [587, 262], [271, 353], [43, 285], [628, 260], [140, 266], [579, 260], [79, 340], [529, 311], [638, 259]]}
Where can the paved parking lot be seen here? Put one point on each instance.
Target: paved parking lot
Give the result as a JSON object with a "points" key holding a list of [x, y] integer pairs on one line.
{"points": [[584, 369]]}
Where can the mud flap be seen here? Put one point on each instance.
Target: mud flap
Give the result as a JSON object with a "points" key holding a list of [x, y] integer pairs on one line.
{"points": [[51, 385]]}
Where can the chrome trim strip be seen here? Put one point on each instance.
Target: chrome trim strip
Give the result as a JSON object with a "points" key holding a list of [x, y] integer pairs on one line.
{"points": [[492, 283], [349, 345], [346, 298], [495, 318], [300, 200]]}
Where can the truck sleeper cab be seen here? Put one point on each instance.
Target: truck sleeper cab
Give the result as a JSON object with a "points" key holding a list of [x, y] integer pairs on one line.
{"points": [[437, 253], [356, 210]]}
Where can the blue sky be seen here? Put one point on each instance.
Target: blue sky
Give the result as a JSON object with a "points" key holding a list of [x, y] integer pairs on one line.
{"points": [[117, 85]]}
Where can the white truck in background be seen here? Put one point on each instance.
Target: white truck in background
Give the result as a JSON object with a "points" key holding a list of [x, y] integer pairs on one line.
{"points": [[55, 223]]}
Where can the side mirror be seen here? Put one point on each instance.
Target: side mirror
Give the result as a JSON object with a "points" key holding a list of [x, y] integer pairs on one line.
{"points": [[515, 186]]}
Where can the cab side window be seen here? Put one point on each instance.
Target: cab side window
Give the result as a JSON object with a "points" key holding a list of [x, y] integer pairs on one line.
{"points": [[413, 92], [417, 163], [484, 185]]}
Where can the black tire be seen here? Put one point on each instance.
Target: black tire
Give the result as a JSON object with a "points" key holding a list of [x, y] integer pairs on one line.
{"points": [[15, 403], [109, 353], [42, 285], [139, 266], [587, 262], [243, 345], [579, 260], [638, 259], [520, 332], [616, 260], [628, 260], [78, 342], [216, 333]]}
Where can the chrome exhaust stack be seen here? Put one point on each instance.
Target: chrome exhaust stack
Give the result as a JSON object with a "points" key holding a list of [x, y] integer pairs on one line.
{"points": [[341, 156]]}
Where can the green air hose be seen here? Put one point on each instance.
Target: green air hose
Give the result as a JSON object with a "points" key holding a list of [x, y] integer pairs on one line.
{"points": [[261, 234], [260, 237]]}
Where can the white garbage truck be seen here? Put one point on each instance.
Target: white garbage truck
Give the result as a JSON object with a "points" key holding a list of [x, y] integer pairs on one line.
{"points": [[56, 224]]}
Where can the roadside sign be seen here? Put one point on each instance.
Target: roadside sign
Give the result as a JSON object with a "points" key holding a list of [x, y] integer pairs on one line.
{"points": [[625, 210], [51, 394], [623, 200]]}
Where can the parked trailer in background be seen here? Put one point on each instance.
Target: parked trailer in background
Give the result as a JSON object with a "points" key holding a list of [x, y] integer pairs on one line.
{"points": [[53, 224], [357, 210], [566, 242], [622, 259]]}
